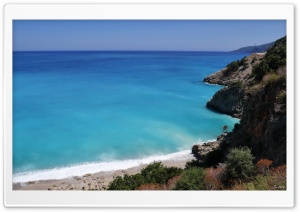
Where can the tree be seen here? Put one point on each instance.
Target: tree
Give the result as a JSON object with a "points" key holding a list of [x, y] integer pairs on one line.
{"points": [[239, 164], [157, 173], [191, 179]]}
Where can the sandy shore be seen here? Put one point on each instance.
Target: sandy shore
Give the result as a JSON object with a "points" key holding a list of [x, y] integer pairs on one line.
{"points": [[99, 180]]}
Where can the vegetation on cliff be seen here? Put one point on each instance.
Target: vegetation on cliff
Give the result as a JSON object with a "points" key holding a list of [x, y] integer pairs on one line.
{"points": [[274, 59], [257, 87], [263, 121], [263, 124]]}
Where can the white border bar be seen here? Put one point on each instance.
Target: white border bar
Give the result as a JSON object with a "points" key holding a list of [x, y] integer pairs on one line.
{"points": [[147, 11]]}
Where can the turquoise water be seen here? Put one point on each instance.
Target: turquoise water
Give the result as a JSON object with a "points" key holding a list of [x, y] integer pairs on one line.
{"points": [[81, 107]]}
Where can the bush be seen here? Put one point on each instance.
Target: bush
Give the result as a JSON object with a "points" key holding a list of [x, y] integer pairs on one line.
{"points": [[239, 164], [154, 173], [263, 166], [191, 179], [127, 182], [276, 55], [172, 183], [274, 59], [242, 62], [213, 178], [271, 79], [237, 84], [157, 173], [150, 186], [193, 163], [261, 183], [260, 70], [277, 177], [231, 67]]}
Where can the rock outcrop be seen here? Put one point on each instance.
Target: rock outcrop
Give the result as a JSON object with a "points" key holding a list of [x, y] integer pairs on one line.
{"points": [[229, 100], [263, 124], [255, 92], [242, 73], [201, 150]]}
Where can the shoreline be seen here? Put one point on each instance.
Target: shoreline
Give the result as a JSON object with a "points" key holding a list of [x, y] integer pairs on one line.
{"points": [[98, 179]]}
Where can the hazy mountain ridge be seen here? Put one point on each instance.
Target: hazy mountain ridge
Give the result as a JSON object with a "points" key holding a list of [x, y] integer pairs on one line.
{"points": [[255, 49]]}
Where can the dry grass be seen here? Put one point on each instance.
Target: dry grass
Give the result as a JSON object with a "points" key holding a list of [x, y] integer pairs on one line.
{"points": [[150, 186], [213, 177]]}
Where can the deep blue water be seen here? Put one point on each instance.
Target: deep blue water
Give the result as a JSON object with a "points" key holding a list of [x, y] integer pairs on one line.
{"points": [[81, 107]]}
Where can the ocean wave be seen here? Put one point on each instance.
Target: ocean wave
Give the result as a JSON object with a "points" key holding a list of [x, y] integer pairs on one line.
{"points": [[91, 168]]}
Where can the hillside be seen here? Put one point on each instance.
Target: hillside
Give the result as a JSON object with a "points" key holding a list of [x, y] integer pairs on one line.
{"points": [[255, 91], [255, 49]]}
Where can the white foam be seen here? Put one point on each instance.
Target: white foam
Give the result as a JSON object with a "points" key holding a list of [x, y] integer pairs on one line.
{"points": [[91, 168], [212, 84]]}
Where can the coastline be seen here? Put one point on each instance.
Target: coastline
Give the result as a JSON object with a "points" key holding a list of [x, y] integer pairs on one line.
{"points": [[98, 180]]}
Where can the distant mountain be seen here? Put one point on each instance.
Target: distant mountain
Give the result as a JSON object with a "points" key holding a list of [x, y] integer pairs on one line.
{"points": [[255, 49]]}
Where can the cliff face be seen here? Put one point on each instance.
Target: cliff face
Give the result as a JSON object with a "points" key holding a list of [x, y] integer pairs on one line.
{"points": [[259, 99], [236, 77], [229, 100], [263, 124]]}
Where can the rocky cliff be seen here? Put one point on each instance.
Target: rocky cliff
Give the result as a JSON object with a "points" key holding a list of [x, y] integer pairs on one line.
{"points": [[229, 100], [255, 91], [236, 77]]}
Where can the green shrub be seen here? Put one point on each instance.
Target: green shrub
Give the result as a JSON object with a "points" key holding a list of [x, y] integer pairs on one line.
{"points": [[237, 84], [261, 183], [239, 164], [154, 173], [242, 62], [274, 58], [127, 182], [272, 79], [276, 55], [249, 186], [157, 173], [231, 67], [260, 70], [275, 61], [191, 179], [193, 163]]}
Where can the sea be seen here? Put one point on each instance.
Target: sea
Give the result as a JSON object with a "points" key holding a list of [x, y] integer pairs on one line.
{"points": [[85, 111]]}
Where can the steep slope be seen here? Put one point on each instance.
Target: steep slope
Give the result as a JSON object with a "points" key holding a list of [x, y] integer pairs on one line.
{"points": [[236, 76], [259, 99]]}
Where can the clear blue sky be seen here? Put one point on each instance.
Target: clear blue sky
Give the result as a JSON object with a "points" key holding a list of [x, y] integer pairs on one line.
{"points": [[197, 35]]}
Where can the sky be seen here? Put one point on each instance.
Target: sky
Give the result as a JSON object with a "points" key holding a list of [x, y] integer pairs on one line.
{"points": [[143, 35]]}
